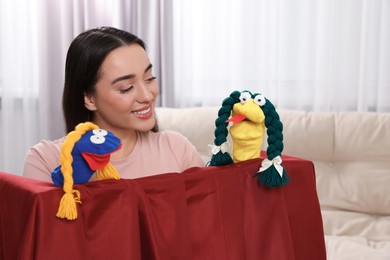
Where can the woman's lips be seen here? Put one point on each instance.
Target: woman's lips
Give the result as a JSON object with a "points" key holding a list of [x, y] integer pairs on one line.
{"points": [[143, 113]]}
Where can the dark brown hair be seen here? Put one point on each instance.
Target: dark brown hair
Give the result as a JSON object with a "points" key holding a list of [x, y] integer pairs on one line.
{"points": [[84, 58]]}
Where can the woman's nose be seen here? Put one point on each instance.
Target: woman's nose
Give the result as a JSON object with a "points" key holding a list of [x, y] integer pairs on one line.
{"points": [[144, 94]]}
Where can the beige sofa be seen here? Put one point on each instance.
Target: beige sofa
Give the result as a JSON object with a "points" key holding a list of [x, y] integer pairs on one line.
{"points": [[351, 154]]}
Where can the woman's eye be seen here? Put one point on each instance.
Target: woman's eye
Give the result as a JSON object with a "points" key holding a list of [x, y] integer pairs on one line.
{"points": [[150, 79], [259, 99], [122, 91]]}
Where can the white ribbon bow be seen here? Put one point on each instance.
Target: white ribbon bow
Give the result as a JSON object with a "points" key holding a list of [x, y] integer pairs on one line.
{"points": [[276, 162], [214, 149]]}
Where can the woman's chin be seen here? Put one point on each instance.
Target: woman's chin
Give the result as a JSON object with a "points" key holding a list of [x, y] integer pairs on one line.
{"points": [[146, 126]]}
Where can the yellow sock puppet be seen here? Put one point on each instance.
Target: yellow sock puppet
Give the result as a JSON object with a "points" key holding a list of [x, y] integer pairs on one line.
{"points": [[251, 115]]}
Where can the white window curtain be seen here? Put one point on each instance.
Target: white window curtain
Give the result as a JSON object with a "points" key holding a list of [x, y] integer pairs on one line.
{"points": [[326, 55], [34, 38]]}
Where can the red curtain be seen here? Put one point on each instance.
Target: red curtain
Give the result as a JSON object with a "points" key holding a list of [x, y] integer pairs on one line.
{"points": [[202, 213]]}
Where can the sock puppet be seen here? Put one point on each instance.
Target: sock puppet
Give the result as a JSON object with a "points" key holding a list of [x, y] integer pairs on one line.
{"points": [[85, 151], [251, 114]]}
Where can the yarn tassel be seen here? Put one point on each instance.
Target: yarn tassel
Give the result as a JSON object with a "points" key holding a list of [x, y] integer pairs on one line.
{"points": [[271, 178], [220, 159], [67, 208], [107, 172]]}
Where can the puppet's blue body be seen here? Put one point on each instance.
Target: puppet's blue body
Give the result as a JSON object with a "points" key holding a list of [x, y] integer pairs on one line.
{"points": [[90, 153]]}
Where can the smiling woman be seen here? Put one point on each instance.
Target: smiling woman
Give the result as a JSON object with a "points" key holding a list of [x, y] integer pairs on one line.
{"points": [[125, 93], [109, 81]]}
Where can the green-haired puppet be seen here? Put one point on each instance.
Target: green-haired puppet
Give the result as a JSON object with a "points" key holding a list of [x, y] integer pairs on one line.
{"points": [[250, 114]]}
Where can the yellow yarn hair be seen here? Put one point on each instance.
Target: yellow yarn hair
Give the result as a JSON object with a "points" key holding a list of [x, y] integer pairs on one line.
{"points": [[107, 172], [67, 208]]}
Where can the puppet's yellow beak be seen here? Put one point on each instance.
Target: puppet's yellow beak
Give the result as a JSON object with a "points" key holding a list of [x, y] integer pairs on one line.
{"points": [[247, 111]]}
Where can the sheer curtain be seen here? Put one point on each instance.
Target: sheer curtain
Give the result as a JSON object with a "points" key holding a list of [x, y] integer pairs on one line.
{"points": [[327, 55], [20, 78], [34, 38]]}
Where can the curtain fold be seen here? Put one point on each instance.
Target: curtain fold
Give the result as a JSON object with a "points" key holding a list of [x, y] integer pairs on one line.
{"points": [[311, 55], [20, 78]]}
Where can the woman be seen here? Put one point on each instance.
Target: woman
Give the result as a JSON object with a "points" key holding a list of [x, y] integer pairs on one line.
{"points": [[109, 81]]}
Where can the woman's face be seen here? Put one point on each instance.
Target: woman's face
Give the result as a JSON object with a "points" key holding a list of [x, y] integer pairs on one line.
{"points": [[126, 91]]}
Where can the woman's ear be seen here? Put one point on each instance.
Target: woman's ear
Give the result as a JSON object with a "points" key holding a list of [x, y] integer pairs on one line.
{"points": [[89, 102]]}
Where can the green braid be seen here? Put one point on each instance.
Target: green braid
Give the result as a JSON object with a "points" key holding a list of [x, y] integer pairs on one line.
{"points": [[274, 131], [274, 126], [221, 130]]}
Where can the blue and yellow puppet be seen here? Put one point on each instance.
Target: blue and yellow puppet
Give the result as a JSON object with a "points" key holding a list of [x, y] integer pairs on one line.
{"points": [[251, 114], [85, 151]]}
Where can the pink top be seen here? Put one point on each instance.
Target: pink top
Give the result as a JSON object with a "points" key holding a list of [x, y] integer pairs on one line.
{"points": [[154, 153]]}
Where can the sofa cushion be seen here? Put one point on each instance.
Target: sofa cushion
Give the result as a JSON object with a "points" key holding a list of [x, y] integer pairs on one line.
{"points": [[197, 124], [308, 135], [354, 247], [349, 223]]}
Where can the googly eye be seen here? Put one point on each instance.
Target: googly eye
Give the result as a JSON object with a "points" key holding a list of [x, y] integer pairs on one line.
{"points": [[100, 132], [259, 99], [97, 139], [244, 97]]}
